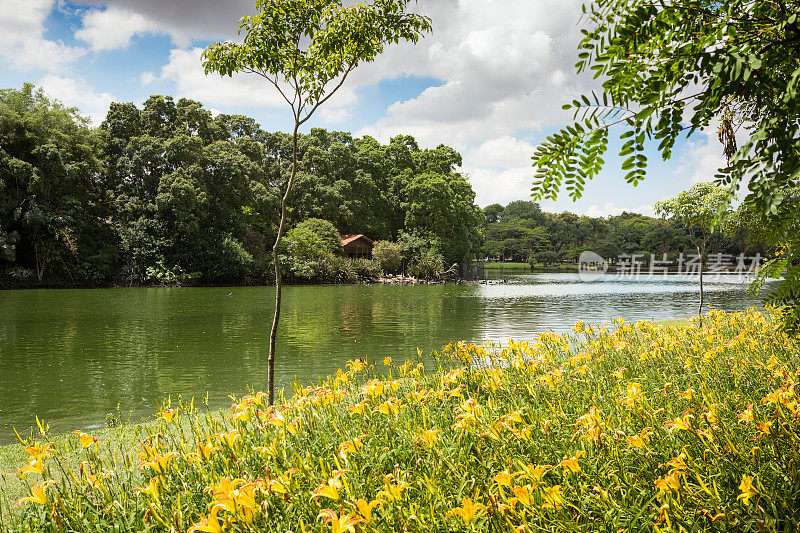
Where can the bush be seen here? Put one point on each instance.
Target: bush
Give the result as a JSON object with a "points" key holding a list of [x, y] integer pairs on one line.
{"points": [[330, 269], [389, 256], [430, 265]]}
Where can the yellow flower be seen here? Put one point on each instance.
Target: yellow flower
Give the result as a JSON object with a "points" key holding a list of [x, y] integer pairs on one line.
{"points": [[205, 450], [572, 463], [553, 497], [634, 393], [748, 490], [680, 423], [670, 483], [159, 463], [329, 489], [340, 524], [35, 466], [504, 478], [152, 488], [534, 472], [169, 415], [39, 451], [358, 409], [86, 439], [467, 511], [392, 490], [746, 416], [524, 495], [365, 509], [390, 407], [428, 437], [357, 366], [351, 446], [373, 388], [229, 438], [678, 464], [210, 524], [37, 494], [387, 361]]}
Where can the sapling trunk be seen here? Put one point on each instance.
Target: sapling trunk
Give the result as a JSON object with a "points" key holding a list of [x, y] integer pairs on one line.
{"points": [[278, 279], [702, 251]]}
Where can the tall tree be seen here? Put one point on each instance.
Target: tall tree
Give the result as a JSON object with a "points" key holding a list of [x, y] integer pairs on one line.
{"points": [[672, 68], [306, 49]]}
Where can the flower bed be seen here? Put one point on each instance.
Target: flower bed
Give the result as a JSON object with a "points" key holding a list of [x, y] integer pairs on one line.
{"points": [[638, 427]]}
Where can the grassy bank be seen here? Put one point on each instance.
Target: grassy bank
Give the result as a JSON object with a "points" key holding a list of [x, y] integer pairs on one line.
{"points": [[641, 427], [506, 266]]}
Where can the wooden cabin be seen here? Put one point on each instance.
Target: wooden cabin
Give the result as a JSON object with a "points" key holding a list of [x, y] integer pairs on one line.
{"points": [[357, 246]]}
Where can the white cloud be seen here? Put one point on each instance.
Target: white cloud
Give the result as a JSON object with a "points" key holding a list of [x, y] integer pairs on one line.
{"points": [[500, 170], [76, 93], [22, 41], [609, 209], [185, 69], [503, 65], [185, 21], [112, 28]]}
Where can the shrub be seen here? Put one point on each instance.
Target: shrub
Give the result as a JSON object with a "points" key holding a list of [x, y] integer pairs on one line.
{"points": [[430, 265], [389, 256]]}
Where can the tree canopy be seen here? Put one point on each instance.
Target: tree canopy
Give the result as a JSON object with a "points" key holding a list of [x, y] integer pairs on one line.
{"points": [[166, 193]]}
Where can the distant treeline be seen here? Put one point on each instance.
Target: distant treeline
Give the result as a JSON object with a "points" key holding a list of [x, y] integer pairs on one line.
{"points": [[168, 193], [521, 231]]}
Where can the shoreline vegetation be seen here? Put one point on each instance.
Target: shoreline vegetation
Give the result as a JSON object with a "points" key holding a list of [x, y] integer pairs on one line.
{"points": [[166, 194], [646, 426]]}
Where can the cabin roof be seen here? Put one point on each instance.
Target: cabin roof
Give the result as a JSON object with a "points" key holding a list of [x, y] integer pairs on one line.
{"points": [[347, 239]]}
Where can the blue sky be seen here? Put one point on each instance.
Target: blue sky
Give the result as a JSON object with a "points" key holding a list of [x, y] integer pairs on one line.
{"points": [[489, 81]]}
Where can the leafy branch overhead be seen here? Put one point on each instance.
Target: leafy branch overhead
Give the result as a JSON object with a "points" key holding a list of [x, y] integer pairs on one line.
{"points": [[307, 48], [672, 68]]}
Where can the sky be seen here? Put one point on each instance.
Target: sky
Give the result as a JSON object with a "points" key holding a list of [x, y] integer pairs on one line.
{"points": [[489, 81]]}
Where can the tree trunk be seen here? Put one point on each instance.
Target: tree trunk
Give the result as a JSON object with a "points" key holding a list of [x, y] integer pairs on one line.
{"points": [[278, 280], [702, 251]]}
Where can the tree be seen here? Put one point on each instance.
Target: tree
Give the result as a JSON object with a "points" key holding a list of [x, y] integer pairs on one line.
{"points": [[670, 69], [306, 49], [493, 213], [443, 205], [51, 203], [699, 210]]}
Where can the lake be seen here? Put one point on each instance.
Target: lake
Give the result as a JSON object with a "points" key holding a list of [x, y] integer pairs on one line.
{"points": [[73, 356]]}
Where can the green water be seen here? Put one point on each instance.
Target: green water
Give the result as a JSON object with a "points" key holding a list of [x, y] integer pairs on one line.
{"points": [[72, 356]]}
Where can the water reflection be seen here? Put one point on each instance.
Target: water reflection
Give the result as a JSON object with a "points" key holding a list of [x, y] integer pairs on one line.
{"points": [[72, 356]]}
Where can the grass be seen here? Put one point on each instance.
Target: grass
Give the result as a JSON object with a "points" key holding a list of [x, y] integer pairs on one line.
{"points": [[506, 266], [640, 427]]}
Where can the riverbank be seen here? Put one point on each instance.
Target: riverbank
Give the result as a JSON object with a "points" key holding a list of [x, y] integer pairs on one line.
{"points": [[639, 426]]}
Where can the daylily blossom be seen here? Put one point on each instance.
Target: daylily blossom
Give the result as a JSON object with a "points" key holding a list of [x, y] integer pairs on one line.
{"points": [[340, 524], [467, 511], [37, 494], [748, 490], [85, 439], [208, 524], [553, 497]]}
